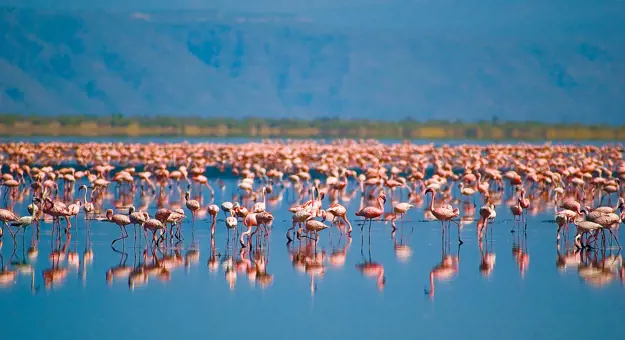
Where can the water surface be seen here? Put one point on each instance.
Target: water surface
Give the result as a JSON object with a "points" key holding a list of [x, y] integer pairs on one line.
{"points": [[512, 287]]}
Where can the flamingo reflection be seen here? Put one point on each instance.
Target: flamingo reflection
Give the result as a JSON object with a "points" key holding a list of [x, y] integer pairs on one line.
{"points": [[520, 253], [446, 270], [55, 276], [487, 258], [370, 268]]}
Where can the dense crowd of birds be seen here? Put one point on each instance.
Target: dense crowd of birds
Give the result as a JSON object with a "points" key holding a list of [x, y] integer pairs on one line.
{"points": [[582, 184]]}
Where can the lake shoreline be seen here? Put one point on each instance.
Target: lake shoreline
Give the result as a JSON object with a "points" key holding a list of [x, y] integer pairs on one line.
{"points": [[16, 125]]}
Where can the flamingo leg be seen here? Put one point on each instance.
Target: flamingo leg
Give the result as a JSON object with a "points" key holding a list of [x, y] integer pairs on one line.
{"points": [[615, 238], [121, 230], [459, 239]]}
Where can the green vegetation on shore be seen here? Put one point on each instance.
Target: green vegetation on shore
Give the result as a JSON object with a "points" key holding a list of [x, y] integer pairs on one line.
{"points": [[193, 126]]}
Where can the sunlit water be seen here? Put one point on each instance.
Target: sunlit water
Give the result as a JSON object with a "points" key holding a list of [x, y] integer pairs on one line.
{"points": [[513, 287]]}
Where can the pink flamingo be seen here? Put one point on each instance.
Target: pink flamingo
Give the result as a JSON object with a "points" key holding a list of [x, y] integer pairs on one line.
{"points": [[213, 210], [371, 212], [57, 210], [517, 211], [525, 203], [572, 204], [7, 216], [487, 212], [563, 218], [154, 225], [444, 213], [249, 221], [192, 205], [121, 220], [338, 210]]}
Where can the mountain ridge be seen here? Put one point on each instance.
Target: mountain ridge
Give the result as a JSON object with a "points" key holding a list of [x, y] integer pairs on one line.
{"points": [[280, 65]]}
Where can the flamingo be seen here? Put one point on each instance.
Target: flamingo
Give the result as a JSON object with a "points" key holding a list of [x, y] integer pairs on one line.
{"points": [[517, 211], [619, 206], [444, 213], [299, 217], [24, 221], [153, 225], [57, 210], [121, 220], [401, 209], [87, 206], [249, 222], [524, 202], [7, 216], [192, 205], [213, 210], [466, 191], [563, 218], [74, 209], [487, 212], [585, 227], [314, 226], [136, 218], [482, 187], [231, 221], [261, 206], [606, 220], [226, 207], [371, 212], [337, 210]]}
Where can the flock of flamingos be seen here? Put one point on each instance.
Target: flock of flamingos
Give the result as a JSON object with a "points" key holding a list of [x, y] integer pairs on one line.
{"points": [[62, 182]]}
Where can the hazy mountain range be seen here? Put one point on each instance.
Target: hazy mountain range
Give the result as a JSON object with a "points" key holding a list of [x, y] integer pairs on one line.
{"points": [[341, 63]]}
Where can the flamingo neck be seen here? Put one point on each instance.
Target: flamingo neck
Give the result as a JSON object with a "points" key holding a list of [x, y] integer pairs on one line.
{"points": [[432, 202]]}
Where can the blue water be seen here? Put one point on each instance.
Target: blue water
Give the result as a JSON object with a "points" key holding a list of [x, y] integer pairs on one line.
{"points": [[541, 301]]}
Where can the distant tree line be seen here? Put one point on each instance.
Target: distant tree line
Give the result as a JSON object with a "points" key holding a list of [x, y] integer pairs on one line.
{"points": [[408, 128]]}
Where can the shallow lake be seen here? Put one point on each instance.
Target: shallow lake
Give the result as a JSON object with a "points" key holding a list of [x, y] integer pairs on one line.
{"points": [[406, 284]]}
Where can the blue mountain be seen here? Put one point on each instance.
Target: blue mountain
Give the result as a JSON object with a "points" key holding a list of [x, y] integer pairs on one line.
{"points": [[349, 63]]}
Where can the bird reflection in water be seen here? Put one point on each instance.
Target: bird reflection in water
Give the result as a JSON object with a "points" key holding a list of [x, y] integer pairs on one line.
{"points": [[339, 254], [160, 268], [251, 260], [192, 256], [87, 255], [487, 258], [261, 260], [403, 252], [119, 271], [446, 270], [599, 268], [55, 276], [213, 261], [22, 264], [520, 253], [370, 268], [307, 258], [7, 276], [571, 258], [73, 259]]}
